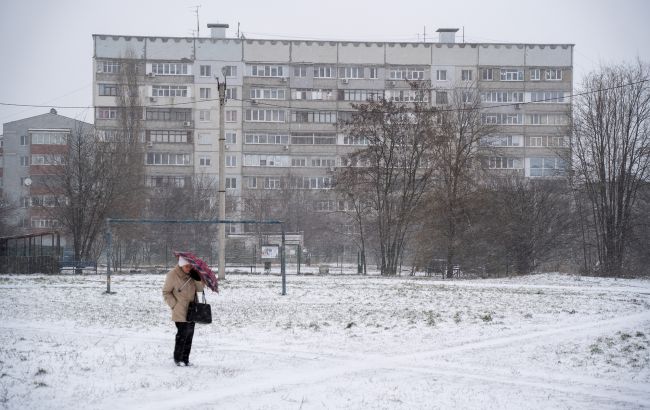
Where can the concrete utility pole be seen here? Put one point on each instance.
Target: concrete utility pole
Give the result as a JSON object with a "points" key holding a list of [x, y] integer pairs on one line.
{"points": [[221, 86]]}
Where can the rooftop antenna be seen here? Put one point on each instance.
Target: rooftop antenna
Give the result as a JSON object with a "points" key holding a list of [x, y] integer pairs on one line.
{"points": [[196, 11], [424, 36], [237, 29]]}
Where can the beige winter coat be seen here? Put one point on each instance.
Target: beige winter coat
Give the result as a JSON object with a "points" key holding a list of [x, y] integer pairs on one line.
{"points": [[179, 291]]}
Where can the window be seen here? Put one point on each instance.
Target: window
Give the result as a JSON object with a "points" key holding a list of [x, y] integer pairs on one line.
{"points": [[272, 183], [554, 74], [24, 161], [546, 166], [547, 96], [558, 141], [406, 95], [324, 71], [502, 118], [373, 73], [204, 139], [298, 162], [49, 138], [169, 68], [266, 139], [267, 70], [231, 93], [512, 74], [267, 93], [505, 163], [230, 70], [44, 223], [502, 96], [537, 141], [231, 137], [360, 95], [231, 115], [111, 67], [264, 115], [204, 115], [328, 117], [323, 162], [300, 71], [204, 93], [486, 74], [167, 136], [351, 72], [108, 89], [347, 140], [231, 161], [547, 119], [106, 113], [163, 181], [169, 114], [47, 159], [252, 182], [205, 161], [441, 75], [169, 91], [206, 71], [311, 182], [441, 97], [535, 74], [231, 183], [167, 158], [466, 75], [23, 140], [266, 160]]}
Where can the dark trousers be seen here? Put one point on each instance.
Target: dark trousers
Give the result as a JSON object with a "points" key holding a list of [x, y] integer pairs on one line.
{"points": [[184, 334]]}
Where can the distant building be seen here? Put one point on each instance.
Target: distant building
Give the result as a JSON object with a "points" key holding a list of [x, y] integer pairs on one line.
{"points": [[285, 96], [30, 148]]}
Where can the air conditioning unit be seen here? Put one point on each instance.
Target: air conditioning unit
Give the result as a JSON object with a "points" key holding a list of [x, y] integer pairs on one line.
{"points": [[152, 99], [284, 79], [227, 147], [149, 144], [151, 74], [346, 81], [187, 123], [254, 102], [332, 169], [391, 83], [286, 148]]}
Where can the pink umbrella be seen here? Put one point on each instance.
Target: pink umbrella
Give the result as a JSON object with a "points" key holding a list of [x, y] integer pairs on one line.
{"points": [[206, 274]]}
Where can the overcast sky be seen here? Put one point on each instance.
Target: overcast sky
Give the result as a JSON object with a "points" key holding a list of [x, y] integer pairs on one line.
{"points": [[46, 45]]}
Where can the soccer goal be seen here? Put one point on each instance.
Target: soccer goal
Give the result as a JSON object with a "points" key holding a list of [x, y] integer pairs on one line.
{"points": [[162, 236]]}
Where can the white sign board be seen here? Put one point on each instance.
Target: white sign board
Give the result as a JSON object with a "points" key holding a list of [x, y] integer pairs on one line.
{"points": [[270, 251]]}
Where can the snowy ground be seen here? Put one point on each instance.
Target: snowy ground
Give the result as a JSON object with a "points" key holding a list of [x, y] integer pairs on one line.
{"points": [[333, 342]]}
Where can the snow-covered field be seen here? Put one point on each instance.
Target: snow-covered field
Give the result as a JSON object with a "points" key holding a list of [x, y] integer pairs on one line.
{"points": [[333, 342]]}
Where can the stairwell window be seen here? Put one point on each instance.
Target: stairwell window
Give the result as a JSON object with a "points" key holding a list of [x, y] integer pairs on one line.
{"points": [[466, 75], [554, 74], [441, 75]]}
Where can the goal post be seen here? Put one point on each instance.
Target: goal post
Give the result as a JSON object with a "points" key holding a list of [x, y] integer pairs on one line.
{"points": [[110, 222]]}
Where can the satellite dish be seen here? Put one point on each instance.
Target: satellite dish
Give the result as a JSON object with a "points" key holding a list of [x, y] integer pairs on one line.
{"points": [[28, 181]]}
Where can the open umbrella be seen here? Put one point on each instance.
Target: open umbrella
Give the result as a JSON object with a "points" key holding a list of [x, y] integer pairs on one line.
{"points": [[206, 274]]}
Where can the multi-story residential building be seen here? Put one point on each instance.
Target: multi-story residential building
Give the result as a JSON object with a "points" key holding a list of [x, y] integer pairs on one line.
{"points": [[31, 147], [285, 97]]}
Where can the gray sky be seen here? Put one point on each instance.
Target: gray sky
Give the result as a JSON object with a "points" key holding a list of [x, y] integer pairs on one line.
{"points": [[46, 45]]}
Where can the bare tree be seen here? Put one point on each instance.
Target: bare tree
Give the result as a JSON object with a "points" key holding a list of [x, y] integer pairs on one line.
{"points": [[532, 220], [611, 146], [456, 159], [101, 173], [393, 167]]}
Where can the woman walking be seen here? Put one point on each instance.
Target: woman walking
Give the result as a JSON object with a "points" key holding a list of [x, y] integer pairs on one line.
{"points": [[181, 285]]}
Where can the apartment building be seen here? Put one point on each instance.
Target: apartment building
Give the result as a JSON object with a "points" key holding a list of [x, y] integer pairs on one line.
{"points": [[31, 147], [285, 97]]}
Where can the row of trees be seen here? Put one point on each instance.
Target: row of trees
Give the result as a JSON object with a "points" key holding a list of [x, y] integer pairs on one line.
{"points": [[422, 194], [416, 195]]}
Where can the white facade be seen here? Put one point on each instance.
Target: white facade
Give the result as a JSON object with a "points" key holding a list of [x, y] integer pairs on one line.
{"points": [[287, 95]]}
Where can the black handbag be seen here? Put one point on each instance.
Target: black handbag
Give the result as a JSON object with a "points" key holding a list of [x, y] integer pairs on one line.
{"points": [[199, 312]]}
